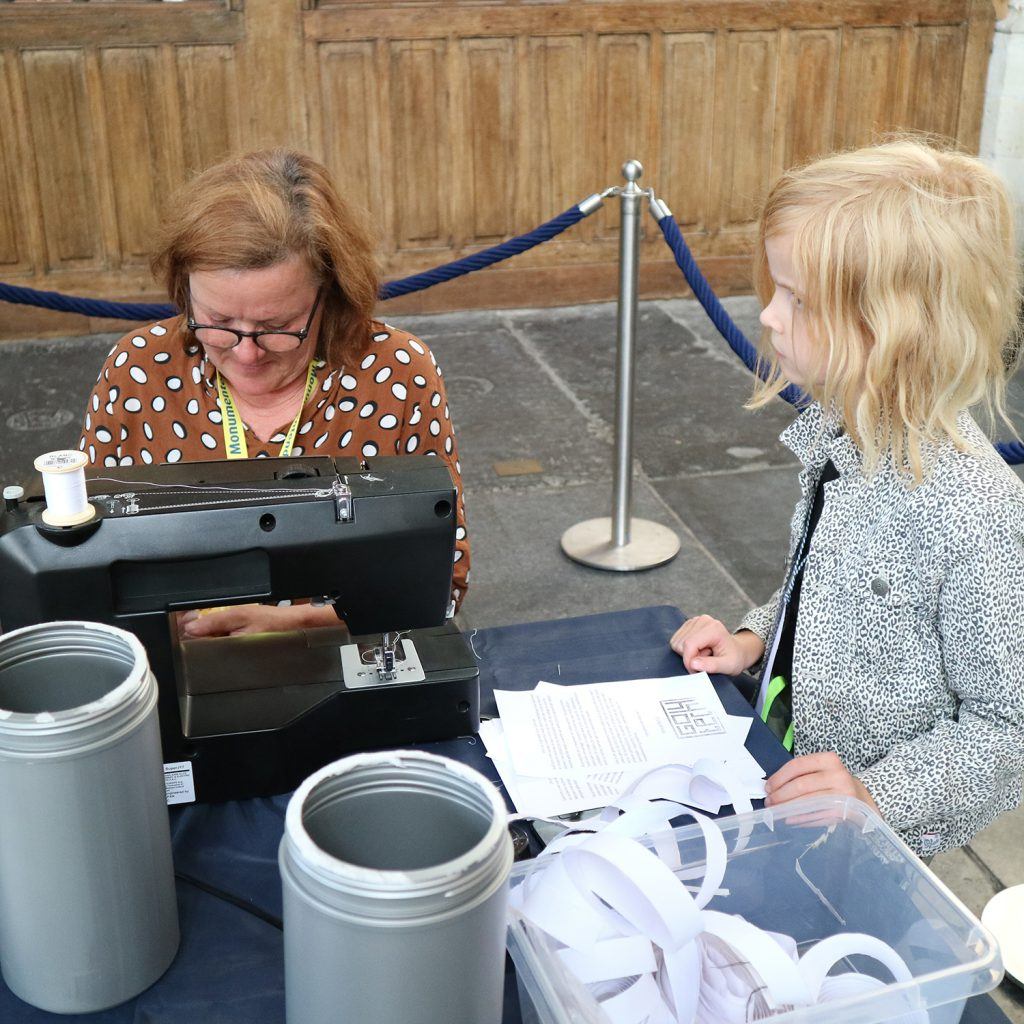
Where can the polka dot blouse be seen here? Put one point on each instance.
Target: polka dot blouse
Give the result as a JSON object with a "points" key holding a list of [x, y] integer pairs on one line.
{"points": [[156, 401]]}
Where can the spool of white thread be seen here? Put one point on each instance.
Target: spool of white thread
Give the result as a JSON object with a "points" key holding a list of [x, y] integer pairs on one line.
{"points": [[67, 503]]}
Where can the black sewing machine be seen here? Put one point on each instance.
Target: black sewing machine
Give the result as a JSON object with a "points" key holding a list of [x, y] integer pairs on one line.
{"points": [[253, 715]]}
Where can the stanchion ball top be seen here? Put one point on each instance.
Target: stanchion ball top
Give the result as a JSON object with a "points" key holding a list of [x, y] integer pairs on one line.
{"points": [[632, 170]]}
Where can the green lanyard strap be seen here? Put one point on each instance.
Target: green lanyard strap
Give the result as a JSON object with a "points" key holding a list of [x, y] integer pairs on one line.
{"points": [[776, 715], [234, 428]]}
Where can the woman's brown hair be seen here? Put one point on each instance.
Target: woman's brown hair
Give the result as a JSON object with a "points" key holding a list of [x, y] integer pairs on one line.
{"points": [[255, 210]]}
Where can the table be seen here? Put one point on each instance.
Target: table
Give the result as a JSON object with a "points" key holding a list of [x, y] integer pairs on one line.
{"points": [[229, 968]]}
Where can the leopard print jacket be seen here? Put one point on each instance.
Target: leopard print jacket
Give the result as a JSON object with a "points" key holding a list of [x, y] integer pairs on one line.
{"points": [[908, 660]]}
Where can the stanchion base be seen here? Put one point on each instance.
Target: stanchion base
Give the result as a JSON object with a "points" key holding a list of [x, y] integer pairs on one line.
{"points": [[590, 543]]}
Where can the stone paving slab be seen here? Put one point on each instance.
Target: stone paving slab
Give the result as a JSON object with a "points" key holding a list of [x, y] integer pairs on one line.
{"points": [[962, 873], [519, 573], [688, 392], [1009, 998], [505, 407], [1001, 847], [743, 518], [43, 389]]}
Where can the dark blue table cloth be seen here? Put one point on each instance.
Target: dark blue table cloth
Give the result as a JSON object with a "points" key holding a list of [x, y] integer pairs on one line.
{"points": [[230, 968]]}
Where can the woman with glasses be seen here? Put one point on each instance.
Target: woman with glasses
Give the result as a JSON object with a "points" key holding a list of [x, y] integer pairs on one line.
{"points": [[276, 352]]}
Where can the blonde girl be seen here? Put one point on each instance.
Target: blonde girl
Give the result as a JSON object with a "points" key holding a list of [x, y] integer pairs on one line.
{"points": [[891, 660]]}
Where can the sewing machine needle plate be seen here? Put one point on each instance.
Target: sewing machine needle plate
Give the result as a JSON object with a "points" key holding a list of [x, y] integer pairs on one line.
{"points": [[359, 670]]}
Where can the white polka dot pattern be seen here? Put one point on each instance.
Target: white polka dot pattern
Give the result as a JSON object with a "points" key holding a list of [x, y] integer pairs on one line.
{"points": [[374, 407]]}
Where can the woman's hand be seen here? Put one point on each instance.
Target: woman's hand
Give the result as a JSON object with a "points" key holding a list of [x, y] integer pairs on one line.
{"points": [[707, 646], [255, 618], [813, 775]]}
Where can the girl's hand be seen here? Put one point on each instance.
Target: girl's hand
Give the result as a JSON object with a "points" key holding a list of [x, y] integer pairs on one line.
{"points": [[707, 646], [814, 774]]}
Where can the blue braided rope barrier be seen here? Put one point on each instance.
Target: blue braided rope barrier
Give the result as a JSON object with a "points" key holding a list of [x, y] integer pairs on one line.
{"points": [[737, 340], [502, 251], [392, 289], [1011, 451], [87, 307]]}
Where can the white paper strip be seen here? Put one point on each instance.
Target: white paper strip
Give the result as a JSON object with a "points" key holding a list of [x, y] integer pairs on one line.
{"points": [[784, 984], [822, 957], [641, 1003], [612, 958], [635, 884]]}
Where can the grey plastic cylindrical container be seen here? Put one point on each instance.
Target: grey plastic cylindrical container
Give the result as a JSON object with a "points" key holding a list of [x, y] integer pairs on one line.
{"points": [[395, 874], [88, 913]]}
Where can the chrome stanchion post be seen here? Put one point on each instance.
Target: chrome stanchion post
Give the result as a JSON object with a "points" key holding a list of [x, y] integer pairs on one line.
{"points": [[629, 275], [623, 543]]}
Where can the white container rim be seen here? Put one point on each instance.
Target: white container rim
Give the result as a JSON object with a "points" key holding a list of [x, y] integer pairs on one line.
{"points": [[326, 864], [47, 723]]}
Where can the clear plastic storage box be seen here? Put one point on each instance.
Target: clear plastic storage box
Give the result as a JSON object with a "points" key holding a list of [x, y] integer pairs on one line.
{"points": [[843, 871]]}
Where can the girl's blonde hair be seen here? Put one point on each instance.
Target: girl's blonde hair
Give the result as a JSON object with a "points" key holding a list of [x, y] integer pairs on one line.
{"points": [[911, 282], [252, 211]]}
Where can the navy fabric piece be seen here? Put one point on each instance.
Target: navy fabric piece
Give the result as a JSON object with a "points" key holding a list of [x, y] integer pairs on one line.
{"points": [[230, 967]]}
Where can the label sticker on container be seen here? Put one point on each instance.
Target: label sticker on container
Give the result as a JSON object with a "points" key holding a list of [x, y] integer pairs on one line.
{"points": [[178, 782]]}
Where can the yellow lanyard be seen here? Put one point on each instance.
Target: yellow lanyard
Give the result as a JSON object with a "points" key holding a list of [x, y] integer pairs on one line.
{"points": [[234, 428]]}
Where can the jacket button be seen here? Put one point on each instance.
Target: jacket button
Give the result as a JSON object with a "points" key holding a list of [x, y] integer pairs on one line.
{"points": [[879, 586]]}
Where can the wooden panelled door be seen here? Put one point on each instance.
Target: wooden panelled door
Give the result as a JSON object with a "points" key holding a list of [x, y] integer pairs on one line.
{"points": [[457, 124]]}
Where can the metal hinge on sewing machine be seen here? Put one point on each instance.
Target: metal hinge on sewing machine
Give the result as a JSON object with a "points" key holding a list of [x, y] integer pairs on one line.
{"points": [[344, 510]]}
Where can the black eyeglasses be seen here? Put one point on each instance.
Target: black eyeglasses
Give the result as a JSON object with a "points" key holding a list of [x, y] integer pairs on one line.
{"points": [[225, 338]]}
